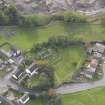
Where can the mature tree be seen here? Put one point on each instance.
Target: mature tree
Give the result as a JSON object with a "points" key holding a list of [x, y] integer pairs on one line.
{"points": [[74, 17], [3, 5], [13, 15], [57, 100], [3, 19]]}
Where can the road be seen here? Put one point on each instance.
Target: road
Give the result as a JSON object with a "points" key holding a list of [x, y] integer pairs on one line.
{"points": [[5, 101], [27, 91], [72, 88]]}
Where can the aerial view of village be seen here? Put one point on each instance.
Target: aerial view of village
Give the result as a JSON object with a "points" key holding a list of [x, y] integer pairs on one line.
{"points": [[52, 52]]}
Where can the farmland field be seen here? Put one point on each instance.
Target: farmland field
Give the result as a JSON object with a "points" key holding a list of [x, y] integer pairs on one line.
{"points": [[25, 38], [88, 97], [67, 62]]}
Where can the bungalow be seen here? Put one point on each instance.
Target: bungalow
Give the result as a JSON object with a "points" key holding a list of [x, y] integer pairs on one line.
{"points": [[33, 69], [17, 75], [24, 99]]}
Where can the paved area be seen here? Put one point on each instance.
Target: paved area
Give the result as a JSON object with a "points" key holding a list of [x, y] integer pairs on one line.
{"points": [[5, 101], [5, 82]]}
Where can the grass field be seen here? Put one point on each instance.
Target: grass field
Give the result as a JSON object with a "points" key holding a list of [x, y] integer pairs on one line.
{"points": [[25, 38], [67, 62], [90, 33], [89, 97]]}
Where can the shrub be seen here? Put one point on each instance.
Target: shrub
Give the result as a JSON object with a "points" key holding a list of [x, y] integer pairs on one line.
{"points": [[12, 14], [74, 17], [3, 19], [58, 16], [27, 21]]}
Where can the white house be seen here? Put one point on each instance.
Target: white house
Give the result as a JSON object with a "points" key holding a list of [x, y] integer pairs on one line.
{"points": [[17, 75], [33, 69], [24, 99]]}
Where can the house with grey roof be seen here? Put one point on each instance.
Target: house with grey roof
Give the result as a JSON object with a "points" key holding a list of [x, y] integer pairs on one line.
{"points": [[24, 99], [97, 50], [17, 75], [32, 70]]}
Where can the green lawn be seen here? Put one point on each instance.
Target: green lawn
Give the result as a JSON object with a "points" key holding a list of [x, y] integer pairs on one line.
{"points": [[88, 97], [69, 61], [34, 82]]}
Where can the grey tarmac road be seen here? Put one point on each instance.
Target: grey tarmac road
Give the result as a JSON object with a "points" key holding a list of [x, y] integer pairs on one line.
{"points": [[73, 88]]}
